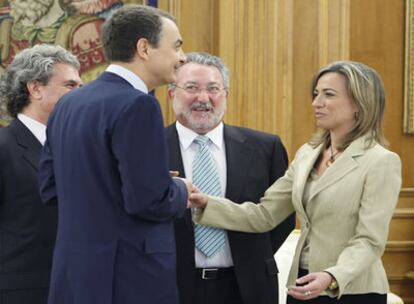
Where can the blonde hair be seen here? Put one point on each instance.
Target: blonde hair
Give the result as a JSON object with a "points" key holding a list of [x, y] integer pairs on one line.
{"points": [[366, 89]]}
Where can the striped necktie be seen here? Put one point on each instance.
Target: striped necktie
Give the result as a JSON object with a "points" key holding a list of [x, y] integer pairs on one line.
{"points": [[208, 240]]}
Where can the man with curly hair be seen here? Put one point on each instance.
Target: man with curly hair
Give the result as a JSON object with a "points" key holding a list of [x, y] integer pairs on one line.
{"points": [[30, 88]]}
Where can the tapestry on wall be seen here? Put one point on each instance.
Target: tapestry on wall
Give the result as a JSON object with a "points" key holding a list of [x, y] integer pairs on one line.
{"points": [[73, 24]]}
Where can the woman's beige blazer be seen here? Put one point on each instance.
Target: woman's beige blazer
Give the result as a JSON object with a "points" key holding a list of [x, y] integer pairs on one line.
{"points": [[347, 217]]}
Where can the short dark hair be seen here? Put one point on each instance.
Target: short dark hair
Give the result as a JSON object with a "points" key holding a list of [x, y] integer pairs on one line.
{"points": [[35, 63], [126, 26]]}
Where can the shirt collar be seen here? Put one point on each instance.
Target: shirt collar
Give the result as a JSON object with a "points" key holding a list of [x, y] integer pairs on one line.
{"points": [[37, 128], [187, 135], [129, 76]]}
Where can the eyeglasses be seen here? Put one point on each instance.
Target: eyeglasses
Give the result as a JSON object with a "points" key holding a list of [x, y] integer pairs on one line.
{"points": [[194, 89]]}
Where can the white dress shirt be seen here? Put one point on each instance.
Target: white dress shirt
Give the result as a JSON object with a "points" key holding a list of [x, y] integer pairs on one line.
{"points": [[37, 128], [129, 76], [189, 149]]}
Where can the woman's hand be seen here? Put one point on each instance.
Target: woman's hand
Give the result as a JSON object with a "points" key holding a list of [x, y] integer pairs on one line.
{"points": [[197, 199], [313, 284]]}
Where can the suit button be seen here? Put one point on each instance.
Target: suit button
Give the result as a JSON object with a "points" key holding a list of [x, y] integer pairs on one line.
{"points": [[307, 225]]}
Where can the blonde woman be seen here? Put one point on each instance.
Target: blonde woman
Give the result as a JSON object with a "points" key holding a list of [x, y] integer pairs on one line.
{"points": [[343, 185]]}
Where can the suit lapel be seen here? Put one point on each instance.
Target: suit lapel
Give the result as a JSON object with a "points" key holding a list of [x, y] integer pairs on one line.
{"points": [[176, 163], [341, 167], [303, 169], [238, 151], [176, 160], [31, 147]]}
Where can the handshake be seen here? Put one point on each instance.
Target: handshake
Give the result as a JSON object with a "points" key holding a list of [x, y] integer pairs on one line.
{"points": [[196, 199]]}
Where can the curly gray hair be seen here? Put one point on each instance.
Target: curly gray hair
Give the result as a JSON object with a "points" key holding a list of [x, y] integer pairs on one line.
{"points": [[207, 59], [35, 63]]}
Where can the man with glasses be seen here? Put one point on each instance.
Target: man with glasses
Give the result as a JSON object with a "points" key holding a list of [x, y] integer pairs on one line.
{"points": [[215, 266]]}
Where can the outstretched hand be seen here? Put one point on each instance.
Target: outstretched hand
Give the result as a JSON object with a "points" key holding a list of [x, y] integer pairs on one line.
{"points": [[198, 199]]}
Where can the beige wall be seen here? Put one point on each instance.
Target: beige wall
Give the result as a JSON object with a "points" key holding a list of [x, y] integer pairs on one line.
{"points": [[273, 47]]}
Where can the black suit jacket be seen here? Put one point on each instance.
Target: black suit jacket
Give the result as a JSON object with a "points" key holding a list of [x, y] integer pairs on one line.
{"points": [[254, 161], [27, 227]]}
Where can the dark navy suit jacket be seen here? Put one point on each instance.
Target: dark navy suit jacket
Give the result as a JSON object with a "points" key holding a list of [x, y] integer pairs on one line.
{"points": [[255, 160], [106, 162], [27, 227]]}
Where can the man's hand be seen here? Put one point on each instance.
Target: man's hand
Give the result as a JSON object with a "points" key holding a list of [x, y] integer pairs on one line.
{"points": [[174, 173], [198, 199]]}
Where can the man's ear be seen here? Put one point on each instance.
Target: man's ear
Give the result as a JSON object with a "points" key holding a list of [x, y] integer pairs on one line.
{"points": [[170, 93], [34, 89], [143, 48]]}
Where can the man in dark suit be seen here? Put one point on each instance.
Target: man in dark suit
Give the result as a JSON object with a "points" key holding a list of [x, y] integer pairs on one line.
{"points": [[243, 270], [105, 161], [30, 87]]}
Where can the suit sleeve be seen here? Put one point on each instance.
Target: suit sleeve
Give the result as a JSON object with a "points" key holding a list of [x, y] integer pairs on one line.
{"points": [[1, 185], [138, 144], [47, 177], [278, 169], [274, 207], [380, 196]]}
